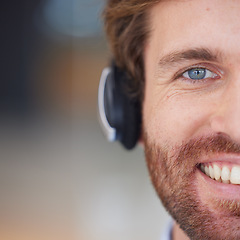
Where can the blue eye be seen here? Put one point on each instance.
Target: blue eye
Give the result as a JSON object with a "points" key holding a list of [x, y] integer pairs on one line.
{"points": [[199, 74]]}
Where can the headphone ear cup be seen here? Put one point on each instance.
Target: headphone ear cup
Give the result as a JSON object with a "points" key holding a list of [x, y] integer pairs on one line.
{"points": [[131, 124], [120, 114], [126, 110]]}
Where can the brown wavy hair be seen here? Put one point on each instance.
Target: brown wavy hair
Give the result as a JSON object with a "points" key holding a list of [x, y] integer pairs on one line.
{"points": [[126, 26]]}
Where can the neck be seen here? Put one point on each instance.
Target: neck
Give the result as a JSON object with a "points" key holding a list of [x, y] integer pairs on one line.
{"points": [[178, 234]]}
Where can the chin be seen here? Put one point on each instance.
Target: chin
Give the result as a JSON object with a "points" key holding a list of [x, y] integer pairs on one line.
{"points": [[203, 207]]}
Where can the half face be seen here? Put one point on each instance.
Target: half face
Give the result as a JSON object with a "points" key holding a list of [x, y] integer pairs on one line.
{"points": [[191, 114]]}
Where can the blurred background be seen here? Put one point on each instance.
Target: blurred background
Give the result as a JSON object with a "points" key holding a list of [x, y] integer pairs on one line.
{"points": [[59, 178]]}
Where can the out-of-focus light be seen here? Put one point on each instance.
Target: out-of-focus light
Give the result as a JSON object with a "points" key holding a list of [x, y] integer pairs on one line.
{"points": [[79, 18]]}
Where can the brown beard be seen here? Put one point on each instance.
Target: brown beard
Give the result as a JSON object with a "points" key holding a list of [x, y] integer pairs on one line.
{"points": [[173, 172]]}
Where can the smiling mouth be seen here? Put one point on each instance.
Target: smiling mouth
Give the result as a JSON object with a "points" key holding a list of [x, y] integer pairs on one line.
{"points": [[223, 174]]}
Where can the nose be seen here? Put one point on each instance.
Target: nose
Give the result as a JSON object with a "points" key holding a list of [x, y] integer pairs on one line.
{"points": [[226, 116]]}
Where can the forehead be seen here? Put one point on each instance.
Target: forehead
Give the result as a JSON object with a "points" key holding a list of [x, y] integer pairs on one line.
{"points": [[197, 23]]}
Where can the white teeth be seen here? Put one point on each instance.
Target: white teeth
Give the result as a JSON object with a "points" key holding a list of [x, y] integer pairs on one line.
{"points": [[235, 175], [225, 175], [211, 172], [207, 171], [217, 171]]}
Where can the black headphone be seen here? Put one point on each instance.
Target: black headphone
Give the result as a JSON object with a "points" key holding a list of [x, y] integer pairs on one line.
{"points": [[120, 114]]}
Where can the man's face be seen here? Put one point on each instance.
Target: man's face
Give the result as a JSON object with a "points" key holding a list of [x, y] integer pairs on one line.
{"points": [[191, 114]]}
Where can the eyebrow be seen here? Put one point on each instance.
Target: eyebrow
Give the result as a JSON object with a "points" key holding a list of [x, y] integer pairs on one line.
{"points": [[202, 54]]}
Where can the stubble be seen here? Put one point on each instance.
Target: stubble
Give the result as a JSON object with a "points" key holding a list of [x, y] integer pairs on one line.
{"points": [[173, 170]]}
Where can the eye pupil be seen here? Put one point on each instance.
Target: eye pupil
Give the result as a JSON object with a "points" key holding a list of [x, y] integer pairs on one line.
{"points": [[197, 73]]}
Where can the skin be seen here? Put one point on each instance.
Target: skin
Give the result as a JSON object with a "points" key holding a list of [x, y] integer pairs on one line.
{"points": [[187, 122]]}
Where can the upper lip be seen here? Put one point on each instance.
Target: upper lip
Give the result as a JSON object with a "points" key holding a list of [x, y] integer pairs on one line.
{"points": [[232, 158]]}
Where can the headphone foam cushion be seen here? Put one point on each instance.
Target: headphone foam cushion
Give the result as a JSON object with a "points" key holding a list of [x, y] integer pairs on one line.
{"points": [[131, 124], [130, 115]]}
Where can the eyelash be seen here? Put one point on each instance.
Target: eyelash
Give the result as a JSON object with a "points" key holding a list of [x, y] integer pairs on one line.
{"points": [[180, 75]]}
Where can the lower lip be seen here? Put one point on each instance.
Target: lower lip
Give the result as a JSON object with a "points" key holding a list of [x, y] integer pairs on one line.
{"points": [[216, 189]]}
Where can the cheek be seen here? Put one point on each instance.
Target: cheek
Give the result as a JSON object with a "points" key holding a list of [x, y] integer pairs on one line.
{"points": [[174, 120]]}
